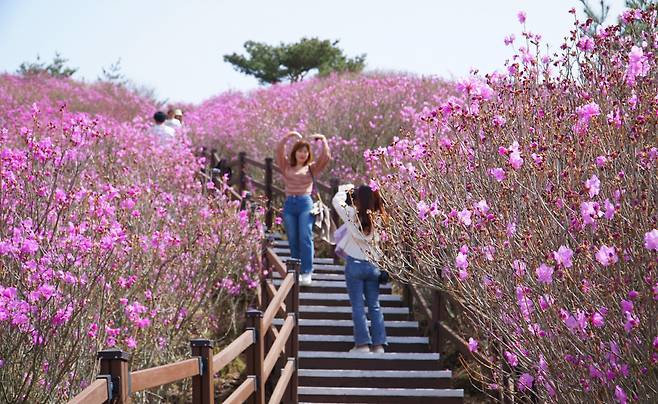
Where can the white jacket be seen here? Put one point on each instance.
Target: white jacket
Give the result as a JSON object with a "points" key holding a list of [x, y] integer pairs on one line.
{"points": [[355, 243]]}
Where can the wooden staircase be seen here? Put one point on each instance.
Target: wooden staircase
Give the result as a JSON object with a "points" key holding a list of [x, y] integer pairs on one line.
{"points": [[407, 373]]}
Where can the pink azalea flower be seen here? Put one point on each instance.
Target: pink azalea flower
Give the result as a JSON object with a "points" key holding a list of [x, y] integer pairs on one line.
{"points": [[593, 185], [473, 344], [606, 256], [131, 343], [525, 382], [600, 161], [620, 395], [597, 320], [509, 39], [651, 240], [545, 274], [563, 256], [515, 160], [609, 209], [465, 217], [511, 358], [461, 261], [519, 268], [521, 16], [423, 210], [498, 174], [586, 44], [638, 65]]}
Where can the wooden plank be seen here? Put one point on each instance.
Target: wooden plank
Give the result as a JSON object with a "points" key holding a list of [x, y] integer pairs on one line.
{"points": [[278, 345], [233, 350], [282, 384], [271, 291], [165, 374], [276, 301], [95, 393], [242, 393], [254, 163], [276, 262], [258, 184], [233, 193]]}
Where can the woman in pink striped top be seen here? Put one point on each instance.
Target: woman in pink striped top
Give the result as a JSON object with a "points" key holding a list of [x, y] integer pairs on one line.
{"points": [[298, 171]]}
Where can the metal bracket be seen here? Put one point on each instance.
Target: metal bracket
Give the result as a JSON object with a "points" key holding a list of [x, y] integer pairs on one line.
{"points": [[203, 366], [109, 384]]}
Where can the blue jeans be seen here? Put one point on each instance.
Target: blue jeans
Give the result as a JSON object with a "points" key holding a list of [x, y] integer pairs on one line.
{"points": [[298, 221], [362, 279]]}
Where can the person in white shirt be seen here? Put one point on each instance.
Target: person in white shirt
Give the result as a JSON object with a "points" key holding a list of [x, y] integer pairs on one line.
{"points": [[163, 132], [174, 118], [359, 243]]}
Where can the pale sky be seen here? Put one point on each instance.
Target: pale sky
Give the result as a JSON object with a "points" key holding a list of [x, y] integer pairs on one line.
{"points": [[176, 47]]}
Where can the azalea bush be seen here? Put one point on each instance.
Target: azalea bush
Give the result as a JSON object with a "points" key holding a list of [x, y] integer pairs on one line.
{"points": [[355, 112], [532, 200], [108, 239]]}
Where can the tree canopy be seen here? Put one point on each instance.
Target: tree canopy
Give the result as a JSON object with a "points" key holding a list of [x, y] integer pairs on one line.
{"points": [[292, 62], [56, 68]]}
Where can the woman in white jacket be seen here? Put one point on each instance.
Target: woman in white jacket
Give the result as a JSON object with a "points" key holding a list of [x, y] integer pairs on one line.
{"points": [[361, 276]]}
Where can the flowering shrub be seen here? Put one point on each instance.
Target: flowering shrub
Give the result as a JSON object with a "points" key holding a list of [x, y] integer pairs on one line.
{"points": [[532, 200], [107, 239], [355, 112]]}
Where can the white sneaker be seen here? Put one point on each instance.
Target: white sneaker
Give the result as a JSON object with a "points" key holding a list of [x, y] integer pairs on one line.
{"points": [[377, 349], [361, 349], [305, 279]]}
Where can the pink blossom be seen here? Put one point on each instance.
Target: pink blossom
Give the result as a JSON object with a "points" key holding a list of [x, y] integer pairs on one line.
{"points": [[423, 210], [498, 174], [131, 343], [586, 44], [473, 344], [464, 217], [606, 256], [525, 382], [278, 220], [511, 358], [515, 160], [593, 185], [620, 395], [597, 320], [609, 209], [509, 39], [563, 256], [519, 267], [651, 240], [638, 65], [600, 161], [521, 16], [545, 273], [461, 261]]}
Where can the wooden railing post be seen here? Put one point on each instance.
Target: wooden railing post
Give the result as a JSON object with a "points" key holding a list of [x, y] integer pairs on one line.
{"points": [[203, 391], [438, 308], [256, 355], [269, 215], [408, 297], [114, 362], [292, 346], [334, 182], [242, 176]]}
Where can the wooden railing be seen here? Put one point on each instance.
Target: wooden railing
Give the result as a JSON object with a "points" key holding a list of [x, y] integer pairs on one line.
{"points": [[264, 345], [239, 178]]}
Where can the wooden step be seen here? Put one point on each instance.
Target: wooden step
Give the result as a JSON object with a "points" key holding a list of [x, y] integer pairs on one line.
{"points": [[318, 277], [346, 327], [368, 361], [323, 286], [342, 299], [379, 395], [343, 343], [419, 379], [345, 313]]}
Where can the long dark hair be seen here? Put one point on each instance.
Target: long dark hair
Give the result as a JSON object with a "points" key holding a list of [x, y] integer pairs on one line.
{"points": [[367, 203]]}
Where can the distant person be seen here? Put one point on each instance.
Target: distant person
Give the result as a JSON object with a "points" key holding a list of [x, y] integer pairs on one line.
{"points": [[163, 132], [174, 118], [359, 244]]}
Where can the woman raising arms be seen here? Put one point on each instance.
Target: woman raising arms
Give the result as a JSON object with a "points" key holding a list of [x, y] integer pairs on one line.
{"points": [[298, 170]]}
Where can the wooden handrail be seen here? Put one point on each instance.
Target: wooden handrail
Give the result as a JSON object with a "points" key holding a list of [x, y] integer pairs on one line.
{"points": [[242, 393], [279, 266], [282, 384], [233, 350], [278, 345], [280, 296], [95, 393], [254, 163], [165, 374], [271, 292]]}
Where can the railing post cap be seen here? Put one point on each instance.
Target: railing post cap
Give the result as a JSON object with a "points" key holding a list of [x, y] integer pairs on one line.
{"points": [[254, 313], [201, 342], [113, 354]]}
